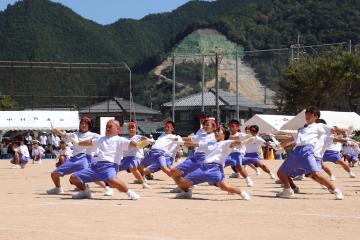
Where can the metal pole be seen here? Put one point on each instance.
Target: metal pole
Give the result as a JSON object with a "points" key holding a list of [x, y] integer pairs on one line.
{"points": [[130, 95], [217, 89], [350, 46], [173, 93], [203, 84], [237, 86]]}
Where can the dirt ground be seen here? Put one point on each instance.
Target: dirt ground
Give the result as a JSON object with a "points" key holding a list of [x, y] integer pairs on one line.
{"points": [[26, 212]]}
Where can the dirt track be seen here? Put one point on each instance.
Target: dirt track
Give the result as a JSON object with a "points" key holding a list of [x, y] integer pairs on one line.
{"points": [[28, 213]]}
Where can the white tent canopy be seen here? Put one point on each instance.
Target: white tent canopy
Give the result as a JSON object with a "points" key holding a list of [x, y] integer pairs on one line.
{"points": [[339, 119], [38, 120], [267, 123]]}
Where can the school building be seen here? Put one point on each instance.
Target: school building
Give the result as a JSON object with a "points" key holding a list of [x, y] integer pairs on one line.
{"points": [[188, 109]]}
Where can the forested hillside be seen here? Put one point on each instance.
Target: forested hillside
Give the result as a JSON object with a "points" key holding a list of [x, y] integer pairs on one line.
{"points": [[40, 30]]}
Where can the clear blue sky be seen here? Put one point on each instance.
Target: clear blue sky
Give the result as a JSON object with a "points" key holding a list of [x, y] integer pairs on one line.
{"points": [[109, 11]]}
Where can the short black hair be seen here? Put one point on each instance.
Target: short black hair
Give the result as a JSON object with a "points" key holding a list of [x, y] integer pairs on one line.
{"points": [[254, 128], [234, 121], [171, 122], [313, 110], [320, 120]]}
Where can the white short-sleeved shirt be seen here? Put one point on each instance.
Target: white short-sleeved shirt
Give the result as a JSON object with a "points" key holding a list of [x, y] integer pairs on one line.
{"points": [[322, 144], [309, 135], [65, 152], [255, 145], [204, 138], [175, 147], [111, 149], [23, 150], [39, 151], [165, 142], [242, 136], [133, 151], [43, 140], [334, 146], [82, 137], [350, 150], [219, 152], [55, 140]]}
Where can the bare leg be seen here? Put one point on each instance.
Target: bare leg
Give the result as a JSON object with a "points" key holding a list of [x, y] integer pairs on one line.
{"points": [[284, 179], [242, 171], [184, 184], [55, 176], [75, 181], [118, 184], [263, 167], [228, 187], [137, 174], [344, 165], [318, 177], [326, 169]]}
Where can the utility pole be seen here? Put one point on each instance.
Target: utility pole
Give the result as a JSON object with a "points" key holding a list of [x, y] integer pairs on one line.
{"points": [[202, 84], [173, 90], [237, 85], [217, 87]]}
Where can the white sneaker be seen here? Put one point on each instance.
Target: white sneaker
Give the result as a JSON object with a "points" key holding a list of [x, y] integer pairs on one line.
{"points": [[133, 195], [82, 194], [184, 195], [332, 178], [272, 176], [145, 185], [249, 182], [39, 162], [338, 194], [244, 195], [258, 172], [55, 190], [15, 167], [176, 190], [108, 191], [234, 175], [296, 189], [352, 175], [286, 193]]}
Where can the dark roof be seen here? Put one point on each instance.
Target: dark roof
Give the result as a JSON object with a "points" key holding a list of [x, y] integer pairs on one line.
{"points": [[117, 105], [225, 99]]}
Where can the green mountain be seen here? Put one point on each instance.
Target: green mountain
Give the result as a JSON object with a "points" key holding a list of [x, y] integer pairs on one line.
{"points": [[40, 30]]}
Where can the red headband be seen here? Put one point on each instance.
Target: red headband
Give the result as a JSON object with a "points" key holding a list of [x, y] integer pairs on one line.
{"points": [[114, 122], [170, 124], [132, 124], [212, 121], [234, 125], [253, 129]]}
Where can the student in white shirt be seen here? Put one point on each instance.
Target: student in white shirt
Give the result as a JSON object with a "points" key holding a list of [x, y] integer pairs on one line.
{"points": [[111, 149], [302, 157], [212, 170], [133, 156], [193, 162], [156, 158], [65, 153], [236, 157], [82, 156], [252, 155], [21, 154], [37, 152]]}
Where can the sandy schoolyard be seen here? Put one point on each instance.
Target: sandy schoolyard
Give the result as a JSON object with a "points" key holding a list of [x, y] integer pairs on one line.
{"points": [[26, 212]]}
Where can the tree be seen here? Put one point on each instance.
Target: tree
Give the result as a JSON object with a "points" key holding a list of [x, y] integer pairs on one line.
{"points": [[7, 103], [330, 81]]}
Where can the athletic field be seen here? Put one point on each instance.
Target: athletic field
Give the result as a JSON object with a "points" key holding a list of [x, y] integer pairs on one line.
{"points": [[26, 212]]}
